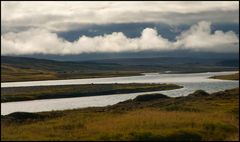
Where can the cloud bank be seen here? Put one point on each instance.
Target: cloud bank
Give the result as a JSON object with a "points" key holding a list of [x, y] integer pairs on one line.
{"points": [[40, 41], [64, 16]]}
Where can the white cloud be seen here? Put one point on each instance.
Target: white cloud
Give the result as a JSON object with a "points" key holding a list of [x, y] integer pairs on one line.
{"points": [[200, 38], [41, 41], [60, 16]]}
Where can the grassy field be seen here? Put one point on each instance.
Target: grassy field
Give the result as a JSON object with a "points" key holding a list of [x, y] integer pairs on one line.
{"points": [[227, 77], [67, 91], [199, 116]]}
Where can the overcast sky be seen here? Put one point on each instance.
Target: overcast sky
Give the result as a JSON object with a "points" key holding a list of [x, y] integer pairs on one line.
{"points": [[31, 27]]}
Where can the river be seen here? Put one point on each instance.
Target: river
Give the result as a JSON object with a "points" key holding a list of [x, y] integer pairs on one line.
{"points": [[189, 81]]}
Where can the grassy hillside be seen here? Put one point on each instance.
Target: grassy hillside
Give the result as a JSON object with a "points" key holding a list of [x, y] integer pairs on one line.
{"points": [[28, 69], [197, 117], [12, 73], [67, 91]]}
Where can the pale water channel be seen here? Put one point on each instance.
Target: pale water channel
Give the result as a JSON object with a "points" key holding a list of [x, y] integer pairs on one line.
{"points": [[190, 82]]}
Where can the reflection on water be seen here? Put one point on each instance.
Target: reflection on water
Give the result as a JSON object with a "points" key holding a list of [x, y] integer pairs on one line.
{"points": [[191, 82]]}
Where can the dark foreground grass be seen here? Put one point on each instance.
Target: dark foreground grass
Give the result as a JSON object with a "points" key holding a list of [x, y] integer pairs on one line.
{"points": [[196, 117], [67, 91]]}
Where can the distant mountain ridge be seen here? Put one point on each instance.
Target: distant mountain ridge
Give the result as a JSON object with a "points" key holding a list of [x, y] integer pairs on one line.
{"points": [[126, 61], [24, 68]]}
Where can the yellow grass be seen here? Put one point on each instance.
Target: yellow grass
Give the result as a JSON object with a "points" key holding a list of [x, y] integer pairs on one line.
{"points": [[227, 77], [150, 124], [216, 119]]}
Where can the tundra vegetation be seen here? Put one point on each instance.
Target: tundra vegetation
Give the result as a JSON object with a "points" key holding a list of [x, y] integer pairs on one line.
{"points": [[67, 91], [198, 116]]}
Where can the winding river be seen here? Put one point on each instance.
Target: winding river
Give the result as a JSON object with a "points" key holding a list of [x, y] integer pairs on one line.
{"points": [[189, 81]]}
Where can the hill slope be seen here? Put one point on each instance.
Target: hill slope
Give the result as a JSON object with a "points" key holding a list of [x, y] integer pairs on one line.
{"points": [[24, 69]]}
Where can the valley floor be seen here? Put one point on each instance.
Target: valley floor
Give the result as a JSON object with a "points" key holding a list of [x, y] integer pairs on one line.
{"points": [[199, 116]]}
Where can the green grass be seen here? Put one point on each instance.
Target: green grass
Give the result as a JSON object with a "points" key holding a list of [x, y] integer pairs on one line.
{"points": [[67, 91], [213, 117], [227, 77]]}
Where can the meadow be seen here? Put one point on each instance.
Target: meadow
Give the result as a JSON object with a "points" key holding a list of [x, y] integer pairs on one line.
{"points": [[199, 116]]}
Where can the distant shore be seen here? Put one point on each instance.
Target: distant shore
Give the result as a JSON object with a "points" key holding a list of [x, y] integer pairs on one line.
{"points": [[234, 76]]}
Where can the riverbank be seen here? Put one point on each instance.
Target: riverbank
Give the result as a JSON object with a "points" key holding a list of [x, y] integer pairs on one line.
{"points": [[69, 91], [227, 77], [199, 116]]}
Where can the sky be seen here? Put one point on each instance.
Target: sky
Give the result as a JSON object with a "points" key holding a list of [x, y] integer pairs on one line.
{"points": [[45, 28]]}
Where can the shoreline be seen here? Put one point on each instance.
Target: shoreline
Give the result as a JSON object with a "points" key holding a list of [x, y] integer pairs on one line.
{"points": [[234, 76], [85, 90]]}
